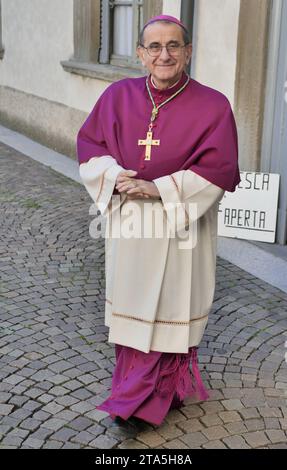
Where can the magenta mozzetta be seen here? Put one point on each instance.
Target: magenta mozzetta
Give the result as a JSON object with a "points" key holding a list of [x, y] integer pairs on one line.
{"points": [[196, 130]]}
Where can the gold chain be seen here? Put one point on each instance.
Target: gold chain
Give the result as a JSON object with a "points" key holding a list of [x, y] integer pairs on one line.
{"points": [[156, 108]]}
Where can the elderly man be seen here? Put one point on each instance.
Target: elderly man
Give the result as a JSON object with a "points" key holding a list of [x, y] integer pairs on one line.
{"points": [[159, 142]]}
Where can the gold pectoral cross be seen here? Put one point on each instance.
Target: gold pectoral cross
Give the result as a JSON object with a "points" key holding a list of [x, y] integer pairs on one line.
{"points": [[148, 143]]}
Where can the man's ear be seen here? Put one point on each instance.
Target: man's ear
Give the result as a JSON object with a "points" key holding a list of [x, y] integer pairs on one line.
{"points": [[140, 54], [189, 50]]}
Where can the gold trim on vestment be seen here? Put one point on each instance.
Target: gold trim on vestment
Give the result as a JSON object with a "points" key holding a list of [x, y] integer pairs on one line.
{"points": [[179, 195], [101, 184], [129, 317]]}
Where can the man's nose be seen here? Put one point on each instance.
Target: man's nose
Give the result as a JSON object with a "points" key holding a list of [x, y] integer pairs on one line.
{"points": [[164, 54]]}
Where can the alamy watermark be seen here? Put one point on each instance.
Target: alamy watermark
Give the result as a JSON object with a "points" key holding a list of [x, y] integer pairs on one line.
{"points": [[146, 220]]}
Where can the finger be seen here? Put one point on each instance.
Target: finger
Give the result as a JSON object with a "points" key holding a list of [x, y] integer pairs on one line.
{"points": [[125, 181], [125, 178], [125, 187], [133, 191], [129, 173], [121, 186], [129, 182]]}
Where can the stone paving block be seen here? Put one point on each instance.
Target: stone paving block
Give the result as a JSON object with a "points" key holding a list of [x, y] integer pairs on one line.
{"points": [[103, 442], [276, 436], [41, 433], [194, 440], [283, 423], [238, 427], [58, 391], [272, 423], [42, 375], [8, 422], [14, 379], [80, 423], [21, 414], [277, 446], [58, 379], [64, 434], [12, 441], [230, 416], [190, 425], [18, 432], [96, 430], [230, 393], [215, 432], [60, 366], [134, 444], [66, 400], [5, 409], [169, 431], [256, 439], [254, 424], [34, 392], [192, 411], [31, 405], [56, 363], [211, 420], [54, 424], [267, 412], [53, 445], [216, 444], [83, 437], [73, 385], [82, 394], [150, 438], [52, 408], [66, 415], [71, 445], [30, 423], [45, 398], [232, 404], [248, 413], [82, 407], [236, 442]]}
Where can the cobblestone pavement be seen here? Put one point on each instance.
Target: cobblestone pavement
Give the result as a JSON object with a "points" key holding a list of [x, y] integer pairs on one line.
{"points": [[56, 363]]}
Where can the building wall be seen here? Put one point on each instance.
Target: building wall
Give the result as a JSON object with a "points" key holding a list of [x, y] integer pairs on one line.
{"points": [[39, 98], [171, 7], [37, 35], [216, 44]]}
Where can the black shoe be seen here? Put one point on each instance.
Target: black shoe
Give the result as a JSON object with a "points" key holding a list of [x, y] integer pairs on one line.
{"points": [[131, 422]]}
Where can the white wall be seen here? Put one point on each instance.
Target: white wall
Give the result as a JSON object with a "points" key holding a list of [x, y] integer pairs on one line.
{"points": [[171, 7], [37, 35], [216, 44]]}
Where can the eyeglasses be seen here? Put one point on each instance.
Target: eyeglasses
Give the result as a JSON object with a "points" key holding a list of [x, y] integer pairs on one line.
{"points": [[154, 50]]}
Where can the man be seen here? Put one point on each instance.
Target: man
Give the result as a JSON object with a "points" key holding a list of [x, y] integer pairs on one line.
{"points": [[159, 142]]}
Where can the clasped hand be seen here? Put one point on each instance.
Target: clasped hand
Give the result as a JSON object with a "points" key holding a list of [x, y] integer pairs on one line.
{"points": [[136, 188]]}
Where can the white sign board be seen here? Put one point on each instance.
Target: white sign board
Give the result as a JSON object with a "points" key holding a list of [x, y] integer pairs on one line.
{"points": [[250, 212]]}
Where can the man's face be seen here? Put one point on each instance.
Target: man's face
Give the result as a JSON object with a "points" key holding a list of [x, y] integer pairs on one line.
{"points": [[165, 67]]}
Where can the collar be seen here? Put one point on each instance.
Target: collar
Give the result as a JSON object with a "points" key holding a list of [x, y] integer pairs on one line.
{"points": [[153, 84], [156, 92]]}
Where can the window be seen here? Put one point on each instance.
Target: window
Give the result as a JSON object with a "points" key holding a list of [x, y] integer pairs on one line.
{"points": [[105, 37], [1, 46], [121, 22]]}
